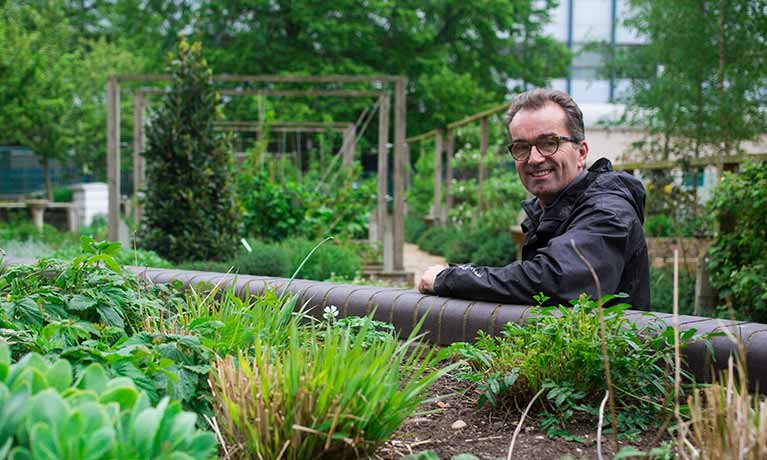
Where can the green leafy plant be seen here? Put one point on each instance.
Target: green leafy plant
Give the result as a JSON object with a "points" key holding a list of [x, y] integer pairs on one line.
{"points": [[190, 211], [49, 414], [738, 256], [301, 404], [559, 350]]}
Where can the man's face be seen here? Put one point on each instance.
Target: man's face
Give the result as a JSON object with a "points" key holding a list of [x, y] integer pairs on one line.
{"points": [[542, 176]]}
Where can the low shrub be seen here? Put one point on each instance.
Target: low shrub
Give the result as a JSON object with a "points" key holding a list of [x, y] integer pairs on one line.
{"points": [[658, 225], [559, 351], [463, 245], [414, 228], [215, 266], [331, 260], [264, 260], [495, 251], [334, 396], [437, 240], [662, 290]]}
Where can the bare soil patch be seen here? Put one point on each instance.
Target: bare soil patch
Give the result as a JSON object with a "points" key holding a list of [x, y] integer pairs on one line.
{"points": [[487, 435]]}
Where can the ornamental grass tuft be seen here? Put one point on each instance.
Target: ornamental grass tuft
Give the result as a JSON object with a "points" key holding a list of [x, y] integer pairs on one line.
{"points": [[332, 396]]}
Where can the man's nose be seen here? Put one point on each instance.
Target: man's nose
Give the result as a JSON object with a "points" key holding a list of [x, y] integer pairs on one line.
{"points": [[535, 156]]}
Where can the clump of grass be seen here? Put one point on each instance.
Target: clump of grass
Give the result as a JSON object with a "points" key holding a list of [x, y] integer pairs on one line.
{"points": [[333, 396], [726, 420]]}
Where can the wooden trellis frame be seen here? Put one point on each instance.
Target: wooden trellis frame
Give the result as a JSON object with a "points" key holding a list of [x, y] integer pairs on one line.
{"points": [[439, 210], [393, 252]]}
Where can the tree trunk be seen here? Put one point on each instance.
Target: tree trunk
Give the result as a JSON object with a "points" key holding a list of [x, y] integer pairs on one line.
{"points": [[48, 183]]}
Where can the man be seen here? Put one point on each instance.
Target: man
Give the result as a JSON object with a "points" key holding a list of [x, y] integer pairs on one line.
{"points": [[598, 209]]}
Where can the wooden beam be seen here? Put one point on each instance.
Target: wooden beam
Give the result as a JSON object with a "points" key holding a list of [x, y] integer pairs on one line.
{"points": [[278, 129], [483, 142], [349, 147], [274, 78], [139, 164], [436, 209], [113, 157], [695, 162], [286, 93], [421, 137], [448, 174], [478, 116], [400, 157], [383, 166]]}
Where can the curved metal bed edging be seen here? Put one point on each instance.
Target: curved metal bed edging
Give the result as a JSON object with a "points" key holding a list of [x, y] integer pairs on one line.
{"points": [[447, 320]]}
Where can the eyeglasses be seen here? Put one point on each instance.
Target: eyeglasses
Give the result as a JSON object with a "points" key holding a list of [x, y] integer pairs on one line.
{"points": [[546, 145]]}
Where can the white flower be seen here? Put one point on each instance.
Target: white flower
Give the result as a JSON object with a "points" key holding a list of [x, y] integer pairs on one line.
{"points": [[330, 312]]}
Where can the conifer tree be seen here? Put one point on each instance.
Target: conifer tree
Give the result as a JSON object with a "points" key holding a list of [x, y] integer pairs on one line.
{"points": [[191, 212]]}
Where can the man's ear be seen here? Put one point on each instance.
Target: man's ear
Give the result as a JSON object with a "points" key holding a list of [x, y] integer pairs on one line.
{"points": [[583, 152]]}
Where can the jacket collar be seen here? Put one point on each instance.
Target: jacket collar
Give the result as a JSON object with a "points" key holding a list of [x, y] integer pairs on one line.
{"points": [[549, 218]]}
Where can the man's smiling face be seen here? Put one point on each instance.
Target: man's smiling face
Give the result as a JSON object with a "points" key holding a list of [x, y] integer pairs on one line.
{"points": [[542, 176]]}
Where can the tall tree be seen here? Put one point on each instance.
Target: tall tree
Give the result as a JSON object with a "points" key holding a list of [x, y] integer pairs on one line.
{"points": [[699, 83], [52, 85]]}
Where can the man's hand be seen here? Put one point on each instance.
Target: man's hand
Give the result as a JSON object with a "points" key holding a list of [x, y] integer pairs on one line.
{"points": [[426, 283]]}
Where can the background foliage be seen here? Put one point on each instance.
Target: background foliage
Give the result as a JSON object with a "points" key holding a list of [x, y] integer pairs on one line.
{"points": [[738, 256]]}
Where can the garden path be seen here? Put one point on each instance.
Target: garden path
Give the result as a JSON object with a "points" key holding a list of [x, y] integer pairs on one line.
{"points": [[416, 261]]}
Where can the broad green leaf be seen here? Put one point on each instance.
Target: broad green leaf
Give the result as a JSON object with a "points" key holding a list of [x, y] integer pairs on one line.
{"points": [[47, 407], [94, 378], [60, 375], [125, 396], [99, 443], [79, 302], [44, 443]]}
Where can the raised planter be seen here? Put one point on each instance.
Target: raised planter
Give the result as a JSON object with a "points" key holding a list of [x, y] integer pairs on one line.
{"points": [[448, 320]]}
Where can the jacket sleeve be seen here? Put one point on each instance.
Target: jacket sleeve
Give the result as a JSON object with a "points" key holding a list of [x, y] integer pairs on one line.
{"points": [[556, 270]]}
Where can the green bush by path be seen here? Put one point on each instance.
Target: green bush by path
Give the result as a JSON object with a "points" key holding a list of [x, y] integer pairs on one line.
{"points": [[264, 260], [738, 255]]}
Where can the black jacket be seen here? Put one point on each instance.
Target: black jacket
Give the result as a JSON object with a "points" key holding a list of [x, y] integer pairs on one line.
{"points": [[602, 212]]}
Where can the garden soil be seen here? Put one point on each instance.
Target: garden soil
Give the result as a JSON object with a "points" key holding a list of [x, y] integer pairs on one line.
{"points": [[487, 435]]}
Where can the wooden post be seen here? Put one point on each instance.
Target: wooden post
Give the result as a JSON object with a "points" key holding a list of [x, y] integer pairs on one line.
{"points": [[482, 168], [113, 157], [383, 161], [400, 152], [448, 174], [436, 208], [349, 147], [139, 165]]}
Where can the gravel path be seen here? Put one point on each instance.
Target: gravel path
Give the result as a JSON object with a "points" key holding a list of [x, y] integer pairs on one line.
{"points": [[416, 261]]}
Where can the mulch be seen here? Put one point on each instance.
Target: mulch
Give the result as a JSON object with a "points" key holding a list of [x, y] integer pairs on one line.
{"points": [[487, 435]]}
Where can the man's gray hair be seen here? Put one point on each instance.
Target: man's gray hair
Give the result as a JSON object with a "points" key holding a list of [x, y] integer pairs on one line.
{"points": [[536, 99]]}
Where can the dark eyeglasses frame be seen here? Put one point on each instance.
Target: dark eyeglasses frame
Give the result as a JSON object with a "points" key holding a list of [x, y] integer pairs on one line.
{"points": [[559, 140]]}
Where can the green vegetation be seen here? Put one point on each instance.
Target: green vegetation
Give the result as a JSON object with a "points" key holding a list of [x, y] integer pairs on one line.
{"points": [[330, 395], [558, 351], [190, 207], [127, 359], [49, 413], [738, 256]]}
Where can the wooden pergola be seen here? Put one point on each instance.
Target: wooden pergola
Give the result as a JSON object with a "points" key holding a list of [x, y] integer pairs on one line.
{"points": [[439, 210], [393, 235]]}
